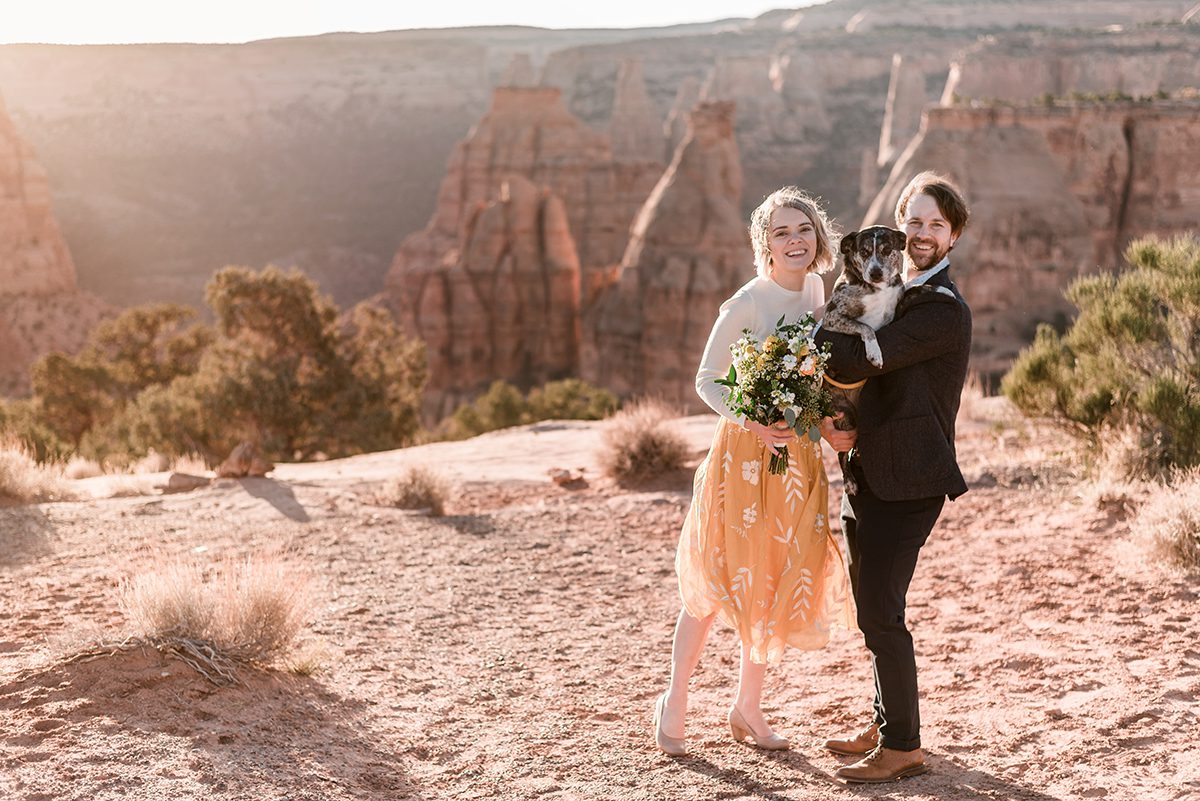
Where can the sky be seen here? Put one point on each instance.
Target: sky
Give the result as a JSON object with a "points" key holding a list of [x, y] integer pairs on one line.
{"points": [[125, 21]]}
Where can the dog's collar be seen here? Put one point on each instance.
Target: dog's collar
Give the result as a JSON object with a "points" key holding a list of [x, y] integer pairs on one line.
{"points": [[925, 275]]}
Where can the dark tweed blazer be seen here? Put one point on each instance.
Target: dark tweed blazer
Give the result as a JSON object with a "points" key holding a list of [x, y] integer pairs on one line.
{"points": [[906, 411]]}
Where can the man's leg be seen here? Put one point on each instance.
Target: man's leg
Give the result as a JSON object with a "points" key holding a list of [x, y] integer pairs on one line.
{"points": [[888, 537]]}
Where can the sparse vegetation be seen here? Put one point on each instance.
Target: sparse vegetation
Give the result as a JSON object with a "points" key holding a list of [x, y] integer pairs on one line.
{"points": [[244, 611], [1129, 366], [417, 488], [503, 406], [640, 443], [280, 368], [23, 479], [1170, 518]]}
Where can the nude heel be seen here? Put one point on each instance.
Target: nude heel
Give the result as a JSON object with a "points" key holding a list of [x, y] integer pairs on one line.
{"points": [[741, 730], [671, 746]]}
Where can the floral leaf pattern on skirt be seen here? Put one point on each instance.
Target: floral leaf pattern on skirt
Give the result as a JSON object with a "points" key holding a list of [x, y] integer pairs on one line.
{"points": [[756, 548]]}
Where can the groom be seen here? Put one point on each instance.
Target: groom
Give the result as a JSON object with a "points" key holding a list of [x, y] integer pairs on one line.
{"points": [[905, 466]]}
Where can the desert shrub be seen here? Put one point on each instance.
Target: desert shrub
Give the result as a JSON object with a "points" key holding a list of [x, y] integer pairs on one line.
{"points": [[417, 488], [571, 399], [639, 442], [503, 406], [1170, 519], [1130, 361], [280, 367], [23, 479], [248, 610]]}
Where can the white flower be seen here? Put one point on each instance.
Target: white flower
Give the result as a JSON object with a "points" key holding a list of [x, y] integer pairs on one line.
{"points": [[809, 363], [750, 472], [790, 362], [749, 515]]}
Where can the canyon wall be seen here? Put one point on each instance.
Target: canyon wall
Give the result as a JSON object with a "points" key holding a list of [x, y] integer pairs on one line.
{"points": [[1055, 193]]}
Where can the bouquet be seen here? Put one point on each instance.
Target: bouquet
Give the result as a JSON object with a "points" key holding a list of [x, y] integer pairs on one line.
{"points": [[780, 378]]}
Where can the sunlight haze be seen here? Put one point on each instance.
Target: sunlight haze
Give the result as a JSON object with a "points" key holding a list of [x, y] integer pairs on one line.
{"points": [[127, 21]]}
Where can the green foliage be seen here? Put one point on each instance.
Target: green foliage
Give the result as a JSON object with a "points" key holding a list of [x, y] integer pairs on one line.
{"points": [[278, 368], [1131, 358], [503, 406]]}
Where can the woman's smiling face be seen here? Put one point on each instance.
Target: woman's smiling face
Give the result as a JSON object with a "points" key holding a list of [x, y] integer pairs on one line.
{"points": [[792, 241]]}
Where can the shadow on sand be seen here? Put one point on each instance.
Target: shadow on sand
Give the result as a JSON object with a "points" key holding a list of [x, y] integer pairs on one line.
{"points": [[24, 535], [277, 494], [276, 735]]}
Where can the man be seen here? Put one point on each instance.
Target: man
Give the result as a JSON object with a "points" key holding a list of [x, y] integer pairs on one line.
{"points": [[904, 464]]}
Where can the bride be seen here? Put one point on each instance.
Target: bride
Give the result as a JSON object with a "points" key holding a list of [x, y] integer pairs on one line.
{"points": [[756, 549]]}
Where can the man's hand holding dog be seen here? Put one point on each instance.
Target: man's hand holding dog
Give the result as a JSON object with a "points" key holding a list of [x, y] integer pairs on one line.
{"points": [[840, 441]]}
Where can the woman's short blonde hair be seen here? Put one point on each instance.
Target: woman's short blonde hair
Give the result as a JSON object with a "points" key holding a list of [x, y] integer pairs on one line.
{"points": [[791, 197]]}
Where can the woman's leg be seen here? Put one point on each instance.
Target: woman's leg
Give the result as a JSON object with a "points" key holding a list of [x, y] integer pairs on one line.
{"points": [[749, 693], [690, 636]]}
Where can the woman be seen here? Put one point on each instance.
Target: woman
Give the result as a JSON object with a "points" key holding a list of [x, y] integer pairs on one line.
{"points": [[756, 548]]}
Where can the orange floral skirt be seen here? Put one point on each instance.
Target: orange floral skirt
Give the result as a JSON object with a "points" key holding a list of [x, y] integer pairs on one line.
{"points": [[756, 548]]}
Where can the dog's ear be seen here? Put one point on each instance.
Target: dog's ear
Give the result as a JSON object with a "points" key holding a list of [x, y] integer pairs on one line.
{"points": [[848, 243], [898, 239]]}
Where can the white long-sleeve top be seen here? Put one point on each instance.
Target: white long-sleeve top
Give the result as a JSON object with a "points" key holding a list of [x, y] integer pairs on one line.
{"points": [[758, 305]]}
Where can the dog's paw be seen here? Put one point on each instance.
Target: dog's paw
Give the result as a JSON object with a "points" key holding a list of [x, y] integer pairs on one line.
{"points": [[874, 354]]}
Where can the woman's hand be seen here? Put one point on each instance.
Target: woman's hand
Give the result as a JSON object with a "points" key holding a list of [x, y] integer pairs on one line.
{"points": [[840, 441], [773, 437]]}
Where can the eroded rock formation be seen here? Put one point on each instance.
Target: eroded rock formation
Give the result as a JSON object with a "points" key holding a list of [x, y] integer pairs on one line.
{"points": [[530, 223], [1055, 193], [40, 307], [636, 126], [688, 251]]}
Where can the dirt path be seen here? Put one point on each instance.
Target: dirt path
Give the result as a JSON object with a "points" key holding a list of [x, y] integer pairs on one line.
{"points": [[512, 649]]}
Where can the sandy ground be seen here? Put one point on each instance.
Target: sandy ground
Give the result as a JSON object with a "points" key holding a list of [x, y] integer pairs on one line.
{"points": [[512, 649]]}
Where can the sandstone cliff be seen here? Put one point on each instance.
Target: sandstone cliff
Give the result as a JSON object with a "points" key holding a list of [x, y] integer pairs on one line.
{"points": [[531, 221], [1055, 193], [862, 16], [40, 307], [504, 303], [636, 126], [1021, 68], [34, 259], [687, 252]]}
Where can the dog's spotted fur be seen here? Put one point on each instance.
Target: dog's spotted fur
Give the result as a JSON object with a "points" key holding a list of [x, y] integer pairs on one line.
{"points": [[864, 298]]}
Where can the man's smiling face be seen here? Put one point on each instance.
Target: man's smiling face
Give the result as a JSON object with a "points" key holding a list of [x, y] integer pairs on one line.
{"points": [[928, 231]]}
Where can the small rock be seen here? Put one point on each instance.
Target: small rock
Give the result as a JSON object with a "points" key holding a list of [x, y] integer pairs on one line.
{"points": [[571, 479], [183, 482]]}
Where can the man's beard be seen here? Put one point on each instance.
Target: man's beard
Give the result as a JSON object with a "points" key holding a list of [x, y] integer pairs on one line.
{"points": [[924, 262]]}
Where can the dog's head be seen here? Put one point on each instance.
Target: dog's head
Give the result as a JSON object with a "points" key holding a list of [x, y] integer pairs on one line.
{"points": [[875, 255]]}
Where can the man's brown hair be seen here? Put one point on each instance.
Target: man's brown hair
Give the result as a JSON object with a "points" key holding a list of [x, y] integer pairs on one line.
{"points": [[948, 197]]}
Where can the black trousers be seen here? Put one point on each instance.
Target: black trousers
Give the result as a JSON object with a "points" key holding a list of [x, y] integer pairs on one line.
{"points": [[884, 538]]}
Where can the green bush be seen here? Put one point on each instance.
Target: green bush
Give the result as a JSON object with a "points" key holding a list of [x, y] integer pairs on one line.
{"points": [[1131, 359], [280, 367], [503, 406]]}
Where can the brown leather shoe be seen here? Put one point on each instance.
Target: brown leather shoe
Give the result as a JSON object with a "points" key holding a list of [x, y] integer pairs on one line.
{"points": [[862, 743], [884, 765]]}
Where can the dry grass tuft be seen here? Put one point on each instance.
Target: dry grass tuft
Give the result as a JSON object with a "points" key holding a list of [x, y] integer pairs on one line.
{"points": [[79, 468], [971, 399], [640, 443], [23, 480], [1170, 519], [417, 488], [238, 611], [152, 462], [192, 464]]}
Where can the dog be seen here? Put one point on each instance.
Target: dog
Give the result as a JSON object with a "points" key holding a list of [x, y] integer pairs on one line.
{"points": [[864, 298]]}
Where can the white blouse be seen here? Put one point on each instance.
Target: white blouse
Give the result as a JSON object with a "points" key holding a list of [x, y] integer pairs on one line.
{"points": [[758, 305]]}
